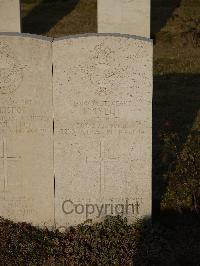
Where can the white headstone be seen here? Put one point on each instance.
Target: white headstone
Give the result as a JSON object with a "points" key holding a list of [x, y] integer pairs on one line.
{"points": [[124, 16], [103, 127], [26, 132], [10, 19]]}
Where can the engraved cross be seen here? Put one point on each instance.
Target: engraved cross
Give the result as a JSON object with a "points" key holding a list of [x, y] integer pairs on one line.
{"points": [[6, 158], [102, 160]]}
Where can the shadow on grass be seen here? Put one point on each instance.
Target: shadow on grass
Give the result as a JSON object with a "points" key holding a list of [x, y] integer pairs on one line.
{"points": [[161, 11], [49, 12], [175, 107], [46, 15], [171, 240]]}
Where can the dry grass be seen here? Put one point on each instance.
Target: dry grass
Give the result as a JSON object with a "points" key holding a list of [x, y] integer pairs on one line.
{"points": [[59, 18]]}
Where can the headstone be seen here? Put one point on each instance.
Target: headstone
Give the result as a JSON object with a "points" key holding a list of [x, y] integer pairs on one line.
{"points": [[10, 19], [26, 132], [124, 16], [103, 127]]}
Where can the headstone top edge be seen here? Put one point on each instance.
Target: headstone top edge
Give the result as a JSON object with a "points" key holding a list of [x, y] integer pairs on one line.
{"points": [[26, 35], [40, 37], [128, 36]]}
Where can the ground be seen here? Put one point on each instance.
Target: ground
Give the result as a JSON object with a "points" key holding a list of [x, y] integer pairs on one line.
{"points": [[173, 238]]}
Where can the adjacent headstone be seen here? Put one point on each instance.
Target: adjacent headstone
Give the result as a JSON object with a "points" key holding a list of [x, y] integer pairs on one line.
{"points": [[103, 127], [10, 19], [26, 132], [124, 16]]}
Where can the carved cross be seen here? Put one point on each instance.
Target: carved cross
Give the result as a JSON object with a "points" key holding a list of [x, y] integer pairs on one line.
{"points": [[101, 161], [6, 159]]}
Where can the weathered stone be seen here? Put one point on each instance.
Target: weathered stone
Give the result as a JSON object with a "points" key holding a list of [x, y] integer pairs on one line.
{"points": [[124, 16], [26, 137], [103, 123], [10, 19]]}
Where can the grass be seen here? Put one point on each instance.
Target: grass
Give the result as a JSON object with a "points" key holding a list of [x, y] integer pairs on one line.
{"points": [[60, 17], [176, 92], [173, 238], [113, 242]]}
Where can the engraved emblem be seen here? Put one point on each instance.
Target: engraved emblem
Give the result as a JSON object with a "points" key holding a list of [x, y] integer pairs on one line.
{"points": [[10, 71], [104, 71]]}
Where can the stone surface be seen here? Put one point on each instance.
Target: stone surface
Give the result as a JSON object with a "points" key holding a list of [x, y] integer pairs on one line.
{"points": [[26, 137], [103, 127], [124, 16], [10, 19]]}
